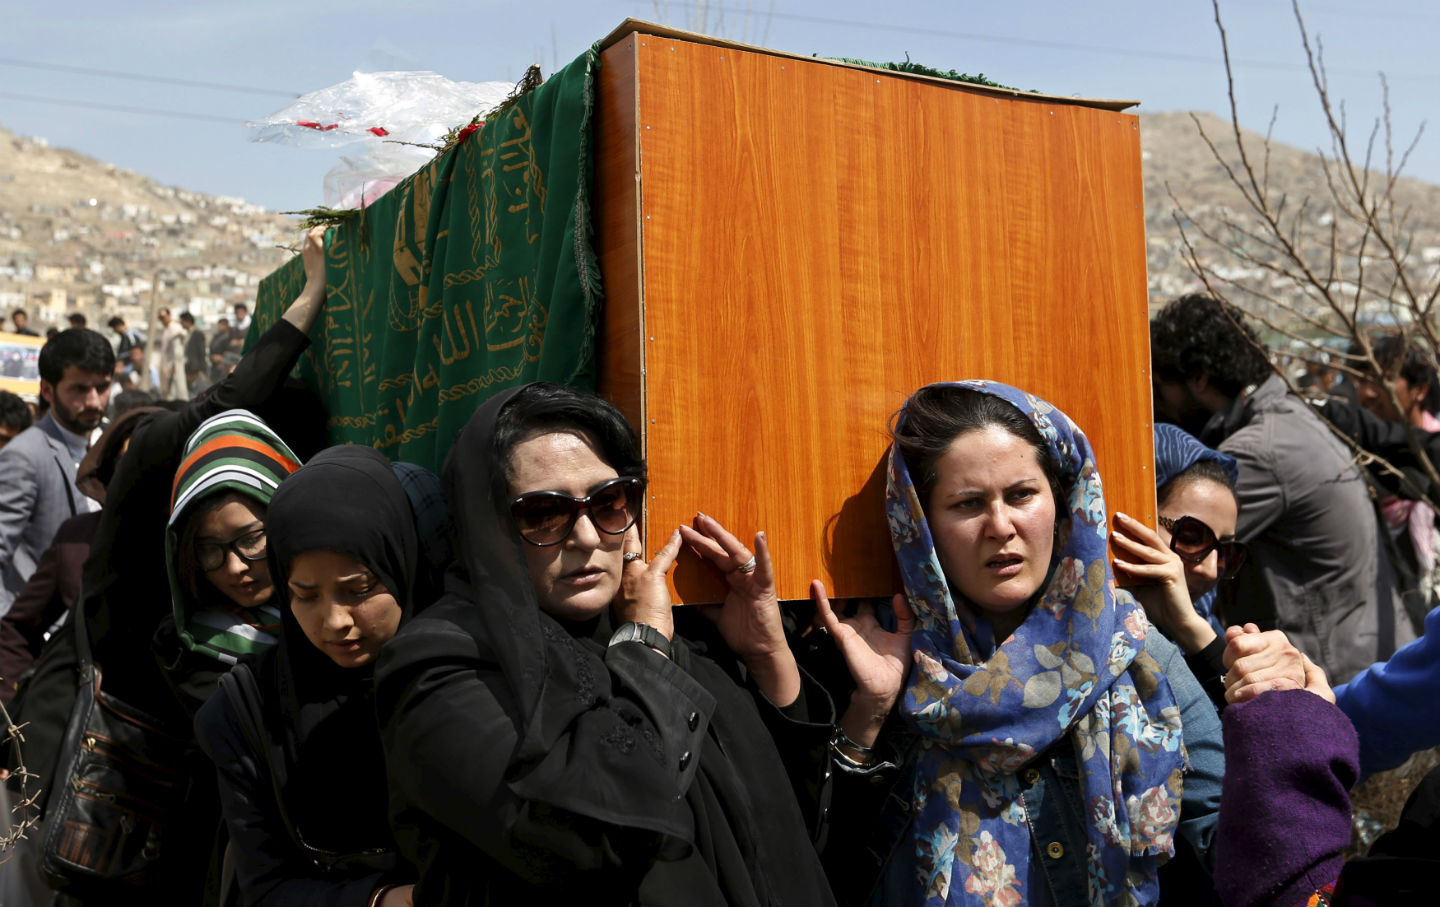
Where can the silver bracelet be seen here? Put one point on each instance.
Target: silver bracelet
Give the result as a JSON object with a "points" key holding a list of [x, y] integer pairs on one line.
{"points": [[840, 739]]}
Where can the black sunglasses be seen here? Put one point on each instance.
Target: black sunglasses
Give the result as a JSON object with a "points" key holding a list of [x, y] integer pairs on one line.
{"points": [[248, 547], [546, 518], [1193, 540]]}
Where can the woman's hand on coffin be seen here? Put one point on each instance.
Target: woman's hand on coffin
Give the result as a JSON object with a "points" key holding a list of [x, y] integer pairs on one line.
{"points": [[644, 595], [749, 620]]}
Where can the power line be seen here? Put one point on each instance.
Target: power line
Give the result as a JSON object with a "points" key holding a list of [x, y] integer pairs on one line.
{"points": [[95, 105], [140, 77], [1053, 45]]}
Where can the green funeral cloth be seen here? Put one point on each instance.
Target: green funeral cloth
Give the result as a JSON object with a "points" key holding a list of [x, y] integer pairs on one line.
{"points": [[475, 274]]}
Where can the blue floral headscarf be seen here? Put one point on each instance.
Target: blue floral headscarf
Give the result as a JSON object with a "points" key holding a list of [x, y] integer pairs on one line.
{"points": [[1075, 667], [1176, 451]]}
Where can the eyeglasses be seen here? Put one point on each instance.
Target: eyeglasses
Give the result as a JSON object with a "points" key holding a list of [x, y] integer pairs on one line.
{"points": [[1193, 540], [547, 518], [248, 547]]}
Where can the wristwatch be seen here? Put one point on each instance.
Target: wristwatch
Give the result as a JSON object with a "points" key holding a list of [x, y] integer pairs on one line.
{"points": [[643, 634]]}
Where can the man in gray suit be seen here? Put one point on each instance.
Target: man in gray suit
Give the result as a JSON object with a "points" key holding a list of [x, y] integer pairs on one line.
{"points": [[37, 469]]}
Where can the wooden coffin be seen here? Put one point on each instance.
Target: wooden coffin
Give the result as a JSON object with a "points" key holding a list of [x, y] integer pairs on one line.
{"points": [[791, 246]]}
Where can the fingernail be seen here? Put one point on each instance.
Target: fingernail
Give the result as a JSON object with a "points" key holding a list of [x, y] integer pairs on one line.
{"points": [[701, 513], [761, 534]]}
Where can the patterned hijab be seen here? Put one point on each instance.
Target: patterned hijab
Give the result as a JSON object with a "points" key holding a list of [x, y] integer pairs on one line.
{"points": [[1075, 668], [233, 451]]}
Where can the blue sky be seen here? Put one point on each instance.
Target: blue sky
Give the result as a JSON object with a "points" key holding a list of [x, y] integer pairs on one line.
{"points": [[1164, 53]]}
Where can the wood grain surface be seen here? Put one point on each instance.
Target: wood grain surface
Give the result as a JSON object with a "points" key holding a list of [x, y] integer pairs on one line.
{"points": [[816, 243]]}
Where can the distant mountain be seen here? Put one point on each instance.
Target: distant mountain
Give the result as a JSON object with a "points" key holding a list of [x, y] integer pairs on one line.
{"points": [[80, 235], [77, 234], [1176, 156]]}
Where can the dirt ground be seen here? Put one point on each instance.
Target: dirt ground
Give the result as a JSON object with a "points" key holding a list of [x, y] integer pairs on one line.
{"points": [[1377, 803]]}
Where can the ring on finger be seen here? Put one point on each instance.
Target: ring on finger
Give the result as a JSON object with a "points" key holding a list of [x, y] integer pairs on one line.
{"points": [[748, 566], [632, 556]]}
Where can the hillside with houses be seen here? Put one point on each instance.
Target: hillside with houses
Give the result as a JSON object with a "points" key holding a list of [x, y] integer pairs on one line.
{"points": [[80, 235]]}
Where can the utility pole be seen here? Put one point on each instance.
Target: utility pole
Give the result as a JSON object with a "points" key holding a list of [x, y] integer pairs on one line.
{"points": [[150, 321]]}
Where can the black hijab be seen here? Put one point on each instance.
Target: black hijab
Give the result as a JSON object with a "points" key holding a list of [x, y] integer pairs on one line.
{"points": [[348, 501], [555, 678]]}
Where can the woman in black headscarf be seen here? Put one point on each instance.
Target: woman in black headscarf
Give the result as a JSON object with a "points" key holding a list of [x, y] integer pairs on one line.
{"points": [[293, 734], [550, 734]]}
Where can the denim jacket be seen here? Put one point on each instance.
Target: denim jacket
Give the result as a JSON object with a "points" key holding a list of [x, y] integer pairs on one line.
{"points": [[1053, 802]]}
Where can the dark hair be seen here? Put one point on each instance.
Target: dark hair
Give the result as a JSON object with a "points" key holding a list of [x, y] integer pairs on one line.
{"points": [[1412, 363], [14, 412], [125, 401], [187, 318], [1200, 470], [546, 407], [19, 313], [115, 322], [80, 347], [240, 305], [187, 562], [224, 321], [115, 446], [1194, 335], [936, 415], [77, 320]]}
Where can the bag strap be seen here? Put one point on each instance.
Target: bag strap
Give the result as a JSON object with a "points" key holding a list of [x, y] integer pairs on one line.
{"points": [[242, 690]]}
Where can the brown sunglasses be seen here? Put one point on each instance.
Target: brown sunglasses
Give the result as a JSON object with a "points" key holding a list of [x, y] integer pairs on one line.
{"points": [[1193, 540]]}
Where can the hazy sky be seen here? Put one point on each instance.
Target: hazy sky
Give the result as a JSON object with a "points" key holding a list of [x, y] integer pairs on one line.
{"points": [[1164, 53]]}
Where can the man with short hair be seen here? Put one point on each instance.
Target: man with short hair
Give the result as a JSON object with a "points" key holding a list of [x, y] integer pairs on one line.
{"points": [[242, 320], [126, 338], [219, 347], [144, 376], [15, 417], [195, 355], [77, 320], [21, 322], [1317, 565], [171, 358], [38, 491]]}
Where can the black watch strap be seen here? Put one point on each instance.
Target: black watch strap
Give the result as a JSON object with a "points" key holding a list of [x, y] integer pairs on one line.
{"points": [[643, 634]]}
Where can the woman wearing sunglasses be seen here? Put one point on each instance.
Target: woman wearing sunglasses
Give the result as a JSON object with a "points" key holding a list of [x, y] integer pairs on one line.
{"points": [[554, 732], [1174, 573]]}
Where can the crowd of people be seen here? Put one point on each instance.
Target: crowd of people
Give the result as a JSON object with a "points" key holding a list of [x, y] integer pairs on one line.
{"points": [[361, 683]]}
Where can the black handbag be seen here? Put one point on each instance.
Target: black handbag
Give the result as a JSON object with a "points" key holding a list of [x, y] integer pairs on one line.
{"points": [[119, 790]]}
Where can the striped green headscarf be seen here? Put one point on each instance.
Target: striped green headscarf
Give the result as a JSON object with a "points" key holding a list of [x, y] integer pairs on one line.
{"points": [[234, 451]]}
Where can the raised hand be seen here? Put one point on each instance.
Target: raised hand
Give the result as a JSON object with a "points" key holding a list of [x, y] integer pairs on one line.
{"points": [[306, 308], [749, 620], [876, 657], [644, 596], [1155, 575]]}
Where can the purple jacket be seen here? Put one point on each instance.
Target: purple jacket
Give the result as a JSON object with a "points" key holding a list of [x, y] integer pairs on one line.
{"points": [[1290, 760]]}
